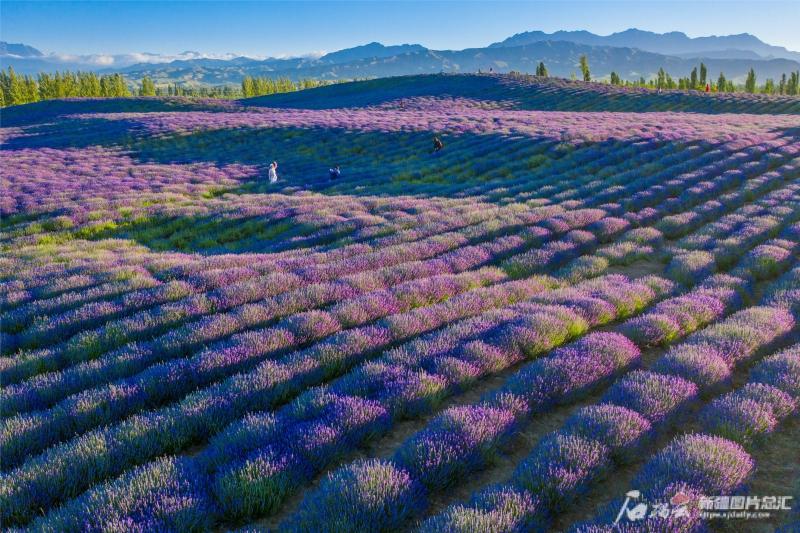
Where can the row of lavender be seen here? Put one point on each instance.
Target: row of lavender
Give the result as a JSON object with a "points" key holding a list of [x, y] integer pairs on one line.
{"points": [[540, 126], [276, 483], [31, 485], [464, 439], [37, 431], [81, 401], [639, 407], [603, 229]]}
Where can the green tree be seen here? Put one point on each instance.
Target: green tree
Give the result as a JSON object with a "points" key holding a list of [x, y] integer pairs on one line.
{"points": [[248, 87], [661, 80], [721, 83], [541, 70], [47, 88], [31, 90], [769, 86], [693, 79], [750, 83], [89, 84], [615, 79], [782, 84], [17, 93], [703, 74], [148, 87], [793, 85], [584, 61]]}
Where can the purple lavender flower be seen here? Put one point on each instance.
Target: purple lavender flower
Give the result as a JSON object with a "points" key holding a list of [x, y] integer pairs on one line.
{"points": [[618, 428], [560, 467], [367, 495], [655, 396], [497, 509], [709, 464], [781, 370], [458, 441], [699, 363], [258, 484]]}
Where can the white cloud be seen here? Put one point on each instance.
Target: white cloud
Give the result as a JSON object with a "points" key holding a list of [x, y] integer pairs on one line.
{"points": [[124, 60]]}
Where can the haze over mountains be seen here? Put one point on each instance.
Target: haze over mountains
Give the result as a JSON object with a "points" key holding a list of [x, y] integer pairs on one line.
{"points": [[631, 53]]}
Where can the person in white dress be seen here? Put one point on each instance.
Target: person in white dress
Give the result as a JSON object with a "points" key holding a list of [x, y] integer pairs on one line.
{"points": [[273, 172]]}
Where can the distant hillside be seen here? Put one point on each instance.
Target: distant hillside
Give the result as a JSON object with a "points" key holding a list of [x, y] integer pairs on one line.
{"points": [[523, 92], [632, 54], [369, 51], [672, 43], [19, 50], [561, 58]]}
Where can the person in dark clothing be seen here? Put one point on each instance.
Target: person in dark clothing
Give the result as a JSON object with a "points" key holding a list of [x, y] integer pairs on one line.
{"points": [[437, 144], [334, 173]]}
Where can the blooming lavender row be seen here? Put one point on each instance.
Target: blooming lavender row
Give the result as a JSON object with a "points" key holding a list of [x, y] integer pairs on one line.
{"points": [[141, 437], [786, 292], [636, 245], [373, 117], [79, 356], [643, 242], [680, 224], [24, 435], [540, 124], [463, 439], [711, 298], [169, 494], [91, 343], [540, 328], [178, 341], [716, 462], [56, 326], [15, 320], [408, 254], [28, 363], [373, 380], [64, 284], [621, 253], [564, 463], [691, 265], [748, 414], [42, 178], [703, 464], [713, 234]]}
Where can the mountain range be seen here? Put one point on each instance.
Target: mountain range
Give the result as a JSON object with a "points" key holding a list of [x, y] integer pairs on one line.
{"points": [[631, 54]]}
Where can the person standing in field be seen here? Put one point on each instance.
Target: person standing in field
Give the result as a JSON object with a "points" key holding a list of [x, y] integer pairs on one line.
{"points": [[708, 87], [437, 144], [334, 173], [273, 172]]}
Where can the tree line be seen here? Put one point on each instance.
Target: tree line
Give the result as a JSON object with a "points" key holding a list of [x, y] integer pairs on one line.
{"points": [[698, 79], [16, 89], [262, 86]]}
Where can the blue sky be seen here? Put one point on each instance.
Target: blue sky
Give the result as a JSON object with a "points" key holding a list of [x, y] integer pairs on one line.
{"points": [[290, 28]]}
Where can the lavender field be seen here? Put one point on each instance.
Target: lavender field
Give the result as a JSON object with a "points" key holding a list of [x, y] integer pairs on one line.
{"points": [[589, 290]]}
